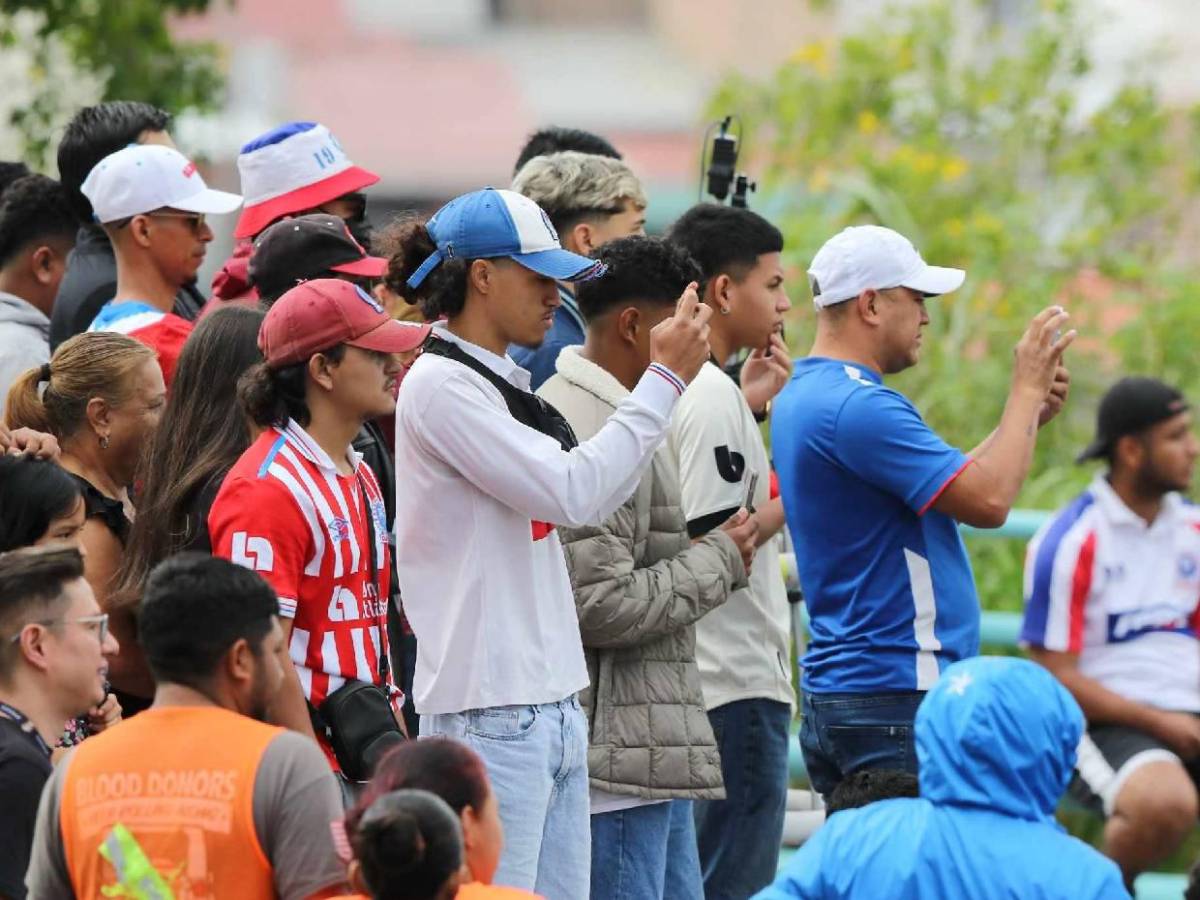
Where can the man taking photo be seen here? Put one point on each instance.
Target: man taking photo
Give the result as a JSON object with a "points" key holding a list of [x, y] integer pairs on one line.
{"points": [[874, 498]]}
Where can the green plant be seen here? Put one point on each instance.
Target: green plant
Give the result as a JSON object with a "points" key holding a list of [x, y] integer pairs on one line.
{"points": [[972, 139], [73, 52]]}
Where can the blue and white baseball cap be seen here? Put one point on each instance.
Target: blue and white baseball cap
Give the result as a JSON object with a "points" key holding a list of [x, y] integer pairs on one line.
{"points": [[490, 223]]}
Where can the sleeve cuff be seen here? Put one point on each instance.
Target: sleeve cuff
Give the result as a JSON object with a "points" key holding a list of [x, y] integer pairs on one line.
{"points": [[287, 608], [659, 390], [945, 484]]}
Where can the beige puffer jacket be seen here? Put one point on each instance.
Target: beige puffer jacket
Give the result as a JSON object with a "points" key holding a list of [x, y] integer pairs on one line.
{"points": [[640, 586]]}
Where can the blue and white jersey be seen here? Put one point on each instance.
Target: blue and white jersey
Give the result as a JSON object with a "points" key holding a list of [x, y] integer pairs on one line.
{"points": [[1122, 594], [886, 579]]}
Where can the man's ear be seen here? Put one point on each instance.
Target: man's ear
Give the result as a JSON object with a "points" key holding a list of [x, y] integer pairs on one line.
{"points": [[629, 320], [580, 239], [139, 230], [320, 370], [239, 662], [42, 264], [716, 293], [867, 305], [481, 275]]}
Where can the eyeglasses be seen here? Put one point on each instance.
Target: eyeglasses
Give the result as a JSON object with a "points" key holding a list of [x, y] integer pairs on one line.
{"points": [[195, 220], [98, 622]]}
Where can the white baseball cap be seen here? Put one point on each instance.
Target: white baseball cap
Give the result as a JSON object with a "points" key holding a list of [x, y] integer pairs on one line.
{"points": [[141, 178], [870, 257]]}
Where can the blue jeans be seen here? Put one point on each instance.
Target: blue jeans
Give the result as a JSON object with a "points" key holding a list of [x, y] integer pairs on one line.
{"points": [[739, 836], [843, 733], [646, 853], [536, 758]]}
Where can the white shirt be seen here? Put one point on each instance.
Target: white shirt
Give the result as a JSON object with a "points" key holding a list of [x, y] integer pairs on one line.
{"points": [[492, 608], [1123, 595], [743, 647]]}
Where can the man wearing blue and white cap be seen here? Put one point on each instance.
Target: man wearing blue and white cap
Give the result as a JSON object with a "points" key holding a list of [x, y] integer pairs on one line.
{"points": [[489, 471], [152, 204], [873, 499]]}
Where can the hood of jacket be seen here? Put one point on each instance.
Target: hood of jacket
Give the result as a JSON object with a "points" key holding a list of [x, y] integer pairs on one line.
{"points": [[585, 374], [232, 281], [998, 733], [15, 311]]}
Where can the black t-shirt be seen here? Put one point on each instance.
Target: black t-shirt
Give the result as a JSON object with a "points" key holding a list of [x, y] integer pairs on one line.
{"points": [[24, 768]]}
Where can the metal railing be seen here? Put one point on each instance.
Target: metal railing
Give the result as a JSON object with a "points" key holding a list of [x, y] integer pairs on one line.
{"points": [[996, 629]]}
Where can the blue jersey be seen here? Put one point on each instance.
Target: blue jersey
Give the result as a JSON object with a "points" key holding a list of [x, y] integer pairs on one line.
{"points": [[886, 578]]}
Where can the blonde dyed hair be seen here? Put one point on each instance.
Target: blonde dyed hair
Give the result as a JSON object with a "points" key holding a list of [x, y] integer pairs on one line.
{"points": [[94, 364], [570, 186]]}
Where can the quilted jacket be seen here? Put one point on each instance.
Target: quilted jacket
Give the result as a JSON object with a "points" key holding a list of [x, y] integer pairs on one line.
{"points": [[640, 586]]}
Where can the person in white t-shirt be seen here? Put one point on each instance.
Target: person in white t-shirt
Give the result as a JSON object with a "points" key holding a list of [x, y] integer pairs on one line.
{"points": [[490, 470], [744, 647], [1112, 608]]}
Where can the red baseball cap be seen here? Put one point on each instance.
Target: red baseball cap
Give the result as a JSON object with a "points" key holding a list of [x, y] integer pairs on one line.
{"points": [[319, 314]]}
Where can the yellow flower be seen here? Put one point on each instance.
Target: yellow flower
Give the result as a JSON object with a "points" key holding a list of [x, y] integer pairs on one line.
{"points": [[925, 162], [954, 168], [955, 228], [815, 55], [868, 122]]}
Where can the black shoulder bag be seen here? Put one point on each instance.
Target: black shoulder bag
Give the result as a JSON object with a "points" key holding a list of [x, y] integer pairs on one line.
{"points": [[357, 718], [528, 409]]}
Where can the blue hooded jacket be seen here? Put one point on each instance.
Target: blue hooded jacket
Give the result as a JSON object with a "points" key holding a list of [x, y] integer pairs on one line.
{"points": [[996, 741]]}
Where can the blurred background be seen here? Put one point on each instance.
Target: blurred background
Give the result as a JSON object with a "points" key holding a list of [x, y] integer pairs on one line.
{"points": [[1047, 146]]}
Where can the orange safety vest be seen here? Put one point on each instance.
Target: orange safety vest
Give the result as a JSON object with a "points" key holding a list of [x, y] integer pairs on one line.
{"points": [[161, 807]]}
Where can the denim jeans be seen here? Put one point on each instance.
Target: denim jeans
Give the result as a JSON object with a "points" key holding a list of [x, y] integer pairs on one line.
{"points": [[646, 853], [843, 733], [536, 758], [739, 836]]}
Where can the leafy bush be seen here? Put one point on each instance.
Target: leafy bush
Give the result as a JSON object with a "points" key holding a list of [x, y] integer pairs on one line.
{"points": [[979, 141]]}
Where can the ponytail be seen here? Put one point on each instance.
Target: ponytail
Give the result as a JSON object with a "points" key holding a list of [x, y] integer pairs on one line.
{"points": [[24, 407], [270, 397], [93, 364], [407, 244]]}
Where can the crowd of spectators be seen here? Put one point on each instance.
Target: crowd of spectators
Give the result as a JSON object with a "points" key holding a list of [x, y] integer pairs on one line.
{"points": [[443, 560]]}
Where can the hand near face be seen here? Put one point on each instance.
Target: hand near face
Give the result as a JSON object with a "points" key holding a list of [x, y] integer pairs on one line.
{"points": [[105, 715], [764, 376]]}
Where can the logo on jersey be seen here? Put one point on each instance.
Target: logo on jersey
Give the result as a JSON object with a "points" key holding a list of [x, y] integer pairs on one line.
{"points": [[1129, 625], [730, 463], [255, 553], [1187, 567], [339, 529]]}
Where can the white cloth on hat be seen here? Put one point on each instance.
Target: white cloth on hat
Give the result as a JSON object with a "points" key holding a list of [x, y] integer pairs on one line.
{"points": [[141, 178], [871, 257]]}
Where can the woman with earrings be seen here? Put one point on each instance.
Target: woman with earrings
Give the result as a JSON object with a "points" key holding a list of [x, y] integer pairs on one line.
{"points": [[101, 395]]}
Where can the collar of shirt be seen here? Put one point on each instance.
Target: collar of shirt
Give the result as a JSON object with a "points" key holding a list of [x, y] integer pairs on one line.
{"points": [[571, 306], [302, 441], [1118, 513], [501, 365], [22, 721]]}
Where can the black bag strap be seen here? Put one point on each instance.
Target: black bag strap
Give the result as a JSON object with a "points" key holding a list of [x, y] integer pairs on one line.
{"points": [[381, 620], [528, 409]]}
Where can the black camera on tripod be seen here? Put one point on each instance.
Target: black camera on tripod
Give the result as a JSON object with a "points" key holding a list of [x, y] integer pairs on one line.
{"points": [[721, 171]]}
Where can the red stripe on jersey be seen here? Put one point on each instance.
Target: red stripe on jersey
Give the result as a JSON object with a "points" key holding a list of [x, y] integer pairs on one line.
{"points": [[165, 337], [1081, 586]]}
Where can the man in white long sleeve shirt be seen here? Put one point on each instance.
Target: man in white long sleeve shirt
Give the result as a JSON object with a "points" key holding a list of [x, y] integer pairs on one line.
{"points": [[488, 475]]}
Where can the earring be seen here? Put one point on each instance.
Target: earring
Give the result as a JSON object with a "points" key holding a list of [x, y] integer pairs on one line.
{"points": [[724, 310], [104, 442]]}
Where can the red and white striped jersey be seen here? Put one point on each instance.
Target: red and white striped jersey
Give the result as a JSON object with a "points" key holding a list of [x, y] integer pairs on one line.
{"points": [[285, 512]]}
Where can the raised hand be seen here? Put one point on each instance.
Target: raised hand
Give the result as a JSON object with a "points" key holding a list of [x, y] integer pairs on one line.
{"points": [[764, 376], [681, 342], [1038, 354]]}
